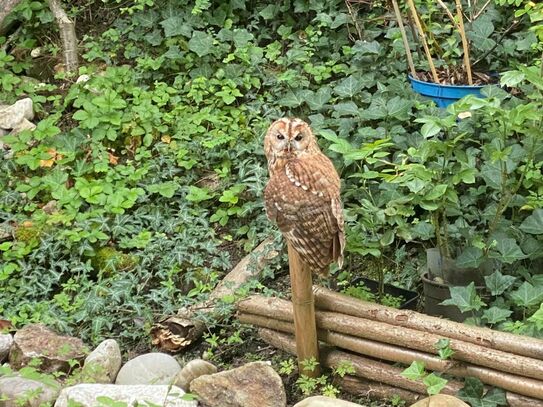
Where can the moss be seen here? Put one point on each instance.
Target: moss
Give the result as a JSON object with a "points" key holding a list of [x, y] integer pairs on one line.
{"points": [[27, 232], [108, 259]]}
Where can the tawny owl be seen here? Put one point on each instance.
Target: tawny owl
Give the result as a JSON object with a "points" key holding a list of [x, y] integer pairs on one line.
{"points": [[302, 195]]}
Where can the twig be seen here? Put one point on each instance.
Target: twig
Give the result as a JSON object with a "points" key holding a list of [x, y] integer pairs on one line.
{"points": [[444, 7], [67, 35], [414, 34], [465, 45], [423, 39], [353, 15], [498, 41], [404, 39], [476, 16]]}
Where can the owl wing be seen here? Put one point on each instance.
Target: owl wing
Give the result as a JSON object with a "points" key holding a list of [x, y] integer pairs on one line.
{"points": [[308, 210]]}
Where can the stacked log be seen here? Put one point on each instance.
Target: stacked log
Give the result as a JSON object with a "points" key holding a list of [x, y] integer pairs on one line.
{"points": [[373, 335]]}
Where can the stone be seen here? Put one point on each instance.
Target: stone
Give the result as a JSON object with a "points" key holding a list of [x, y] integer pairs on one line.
{"points": [[16, 391], [440, 400], [83, 78], [23, 125], [103, 363], [321, 401], [192, 370], [55, 351], [149, 368], [11, 116], [85, 395], [5, 345], [252, 385]]}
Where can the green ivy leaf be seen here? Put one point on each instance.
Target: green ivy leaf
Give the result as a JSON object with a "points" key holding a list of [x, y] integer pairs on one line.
{"points": [[319, 98], [436, 192], [465, 298], [366, 47], [176, 25], [197, 194], [292, 99], [494, 314], [527, 295], [346, 108], [415, 371], [537, 318], [471, 257], [511, 78], [533, 224], [166, 189], [348, 87], [434, 384], [508, 250], [201, 43], [497, 282]]}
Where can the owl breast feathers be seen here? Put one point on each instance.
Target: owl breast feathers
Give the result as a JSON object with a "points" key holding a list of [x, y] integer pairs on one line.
{"points": [[302, 195]]}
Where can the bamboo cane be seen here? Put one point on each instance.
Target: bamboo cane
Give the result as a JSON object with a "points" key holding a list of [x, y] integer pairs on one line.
{"points": [[465, 46], [380, 372], [406, 337], [383, 351], [328, 300], [404, 39], [303, 307], [423, 40]]}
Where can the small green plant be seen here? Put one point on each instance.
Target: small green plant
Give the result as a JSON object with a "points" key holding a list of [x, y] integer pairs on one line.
{"points": [[443, 347], [416, 371]]}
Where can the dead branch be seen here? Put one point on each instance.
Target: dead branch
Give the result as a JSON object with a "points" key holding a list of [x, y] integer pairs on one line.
{"points": [[67, 36]]}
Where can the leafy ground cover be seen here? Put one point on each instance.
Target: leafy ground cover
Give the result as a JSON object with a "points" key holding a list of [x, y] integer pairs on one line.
{"points": [[157, 170]]}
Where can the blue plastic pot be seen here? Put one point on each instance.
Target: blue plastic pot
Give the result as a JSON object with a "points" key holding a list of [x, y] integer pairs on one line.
{"points": [[444, 95]]}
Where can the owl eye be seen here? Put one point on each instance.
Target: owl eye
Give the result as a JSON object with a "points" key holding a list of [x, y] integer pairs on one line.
{"points": [[280, 137], [298, 137]]}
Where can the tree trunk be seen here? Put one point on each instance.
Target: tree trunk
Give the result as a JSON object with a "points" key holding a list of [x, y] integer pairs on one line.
{"points": [[519, 345]]}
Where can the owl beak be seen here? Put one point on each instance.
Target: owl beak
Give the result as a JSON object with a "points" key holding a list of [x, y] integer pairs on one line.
{"points": [[288, 146]]}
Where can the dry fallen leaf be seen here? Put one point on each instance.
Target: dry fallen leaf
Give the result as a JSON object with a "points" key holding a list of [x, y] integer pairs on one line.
{"points": [[55, 156], [113, 159], [166, 139]]}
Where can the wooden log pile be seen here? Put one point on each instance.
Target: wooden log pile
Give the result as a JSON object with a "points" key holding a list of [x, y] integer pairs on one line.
{"points": [[374, 337]]}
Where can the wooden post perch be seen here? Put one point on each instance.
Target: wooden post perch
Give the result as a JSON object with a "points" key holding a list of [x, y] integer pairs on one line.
{"points": [[303, 304]]}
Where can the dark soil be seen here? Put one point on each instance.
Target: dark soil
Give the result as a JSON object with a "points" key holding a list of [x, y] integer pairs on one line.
{"points": [[449, 76]]}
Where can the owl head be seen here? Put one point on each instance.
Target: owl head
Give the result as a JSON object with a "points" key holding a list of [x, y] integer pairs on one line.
{"points": [[289, 138]]}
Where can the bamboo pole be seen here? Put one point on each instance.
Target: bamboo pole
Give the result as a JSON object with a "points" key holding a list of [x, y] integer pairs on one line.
{"points": [[406, 337], [378, 350], [328, 300], [423, 40], [303, 308], [404, 39], [380, 372], [465, 45]]}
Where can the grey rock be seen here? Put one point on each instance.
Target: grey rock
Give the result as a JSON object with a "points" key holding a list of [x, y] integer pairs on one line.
{"points": [[103, 363], [20, 392], [321, 401], [6, 340], [23, 125], [142, 395], [38, 341], [192, 370], [150, 368], [252, 385], [11, 116], [440, 400]]}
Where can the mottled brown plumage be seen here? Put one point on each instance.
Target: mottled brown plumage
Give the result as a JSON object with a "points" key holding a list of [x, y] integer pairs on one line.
{"points": [[302, 195]]}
